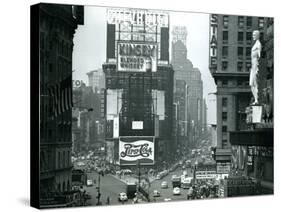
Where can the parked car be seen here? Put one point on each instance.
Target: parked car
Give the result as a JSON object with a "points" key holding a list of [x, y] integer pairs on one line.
{"points": [[164, 184], [176, 191], [89, 183], [122, 197], [156, 193]]}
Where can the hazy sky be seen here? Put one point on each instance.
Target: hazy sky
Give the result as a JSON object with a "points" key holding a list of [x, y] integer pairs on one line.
{"points": [[89, 51]]}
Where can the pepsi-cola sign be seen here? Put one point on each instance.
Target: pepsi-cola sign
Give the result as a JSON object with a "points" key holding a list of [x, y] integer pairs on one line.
{"points": [[135, 148]]}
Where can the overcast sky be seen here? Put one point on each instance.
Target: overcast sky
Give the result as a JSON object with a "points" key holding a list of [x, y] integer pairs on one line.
{"points": [[89, 51]]}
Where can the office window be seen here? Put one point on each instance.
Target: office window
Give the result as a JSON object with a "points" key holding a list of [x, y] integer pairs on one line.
{"points": [[239, 66], [240, 51], [249, 36], [224, 65], [224, 128], [240, 21], [225, 20], [224, 51], [224, 102], [248, 52], [249, 22], [224, 143], [240, 36], [224, 116], [261, 22], [248, 66], [225, 36]]}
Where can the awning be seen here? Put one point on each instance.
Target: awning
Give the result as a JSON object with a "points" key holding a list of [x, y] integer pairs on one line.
{"points": [[259, 137]]}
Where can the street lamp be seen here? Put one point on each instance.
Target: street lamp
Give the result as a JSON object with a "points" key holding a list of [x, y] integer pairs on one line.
{"points": [[98, 188]]}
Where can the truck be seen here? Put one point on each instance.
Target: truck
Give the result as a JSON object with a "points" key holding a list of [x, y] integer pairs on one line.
{"points": [[131, 190], [176, 182]]}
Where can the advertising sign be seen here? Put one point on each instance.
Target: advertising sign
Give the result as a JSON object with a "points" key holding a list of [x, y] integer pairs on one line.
{"points": [[223, 168], [137, 17], [140, 57], [136, 148], [205, 175], [213, 40]]}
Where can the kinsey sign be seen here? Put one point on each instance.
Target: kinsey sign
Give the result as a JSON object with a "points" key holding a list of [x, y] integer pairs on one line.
{"points": [[137, 17], [213, 40], [137, 57], [134, 149]]}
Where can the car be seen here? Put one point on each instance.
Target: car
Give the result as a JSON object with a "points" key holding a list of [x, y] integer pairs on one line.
{"points": [[156, 193], [122, 197], [167, 199], [176, 191], [89, 182], [164, 184]]}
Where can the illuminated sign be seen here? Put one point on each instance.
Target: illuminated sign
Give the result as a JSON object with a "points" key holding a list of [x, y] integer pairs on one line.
{"points": [[137, 17], [140, 57], [213, 40], [223, 167], [137, 125], [135, 148]]}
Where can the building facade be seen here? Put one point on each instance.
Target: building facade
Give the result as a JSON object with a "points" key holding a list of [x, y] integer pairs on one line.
{"points": [[96, 80], [184, 70], [57, 27], [248, 145], [139, 92]]}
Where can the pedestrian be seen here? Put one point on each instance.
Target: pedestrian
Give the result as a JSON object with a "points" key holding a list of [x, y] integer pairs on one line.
{"points": [[108, 200]]}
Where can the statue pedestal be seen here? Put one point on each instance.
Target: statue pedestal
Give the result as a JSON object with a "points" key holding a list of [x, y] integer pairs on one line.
{"points": [[256, 113]]}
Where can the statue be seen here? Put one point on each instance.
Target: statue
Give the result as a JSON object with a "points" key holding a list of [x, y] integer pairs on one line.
{"points": [[255, 56]]}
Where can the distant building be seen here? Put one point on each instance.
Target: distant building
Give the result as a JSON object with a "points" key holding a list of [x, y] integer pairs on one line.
{"points": [[184, 70], [96, 80]]}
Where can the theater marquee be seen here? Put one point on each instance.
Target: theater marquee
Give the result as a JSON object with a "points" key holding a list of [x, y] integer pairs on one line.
{"points": [[139, 57]]}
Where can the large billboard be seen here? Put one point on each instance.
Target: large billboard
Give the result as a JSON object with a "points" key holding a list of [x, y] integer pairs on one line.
{"points": [[137, 17], [134, 56], [136, 149]]}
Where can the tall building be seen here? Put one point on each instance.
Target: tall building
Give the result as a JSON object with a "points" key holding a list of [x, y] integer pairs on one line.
{"points": [[57, 27], [184, 70], [248, 145], [96, 79], [139, 92]]}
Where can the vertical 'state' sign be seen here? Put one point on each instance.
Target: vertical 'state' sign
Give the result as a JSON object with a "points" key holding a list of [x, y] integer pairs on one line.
{"points": [[213, 40]]}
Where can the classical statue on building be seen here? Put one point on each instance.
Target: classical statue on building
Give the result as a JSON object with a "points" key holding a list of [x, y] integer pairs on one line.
{"points": [[255, 56]]}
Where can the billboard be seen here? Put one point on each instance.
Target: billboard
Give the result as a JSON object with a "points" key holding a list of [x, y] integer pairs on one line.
{"points": [[134, 56], [137, 17], [136, 148]]}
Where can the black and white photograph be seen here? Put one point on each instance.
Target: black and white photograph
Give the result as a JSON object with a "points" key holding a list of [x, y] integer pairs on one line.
{"points": [[150, 106]]}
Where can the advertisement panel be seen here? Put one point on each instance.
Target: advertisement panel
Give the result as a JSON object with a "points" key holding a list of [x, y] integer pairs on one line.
{"points": [[136, 148], [223, 167], [139, 57], [137, 17]]}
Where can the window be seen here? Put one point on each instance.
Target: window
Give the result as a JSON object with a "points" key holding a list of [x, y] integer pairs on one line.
{"points": [[249, 36], [224, 128], [225, 20], [224, 143], [261, 22], [239, 82], [224, 102], [248, 52], [248, 66], [224, 116], [240, 36], [240, 21], [224, 65], [224, 82], [249, 22], [240, 51], [239, 66], [225, 36], [224, 51]]}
